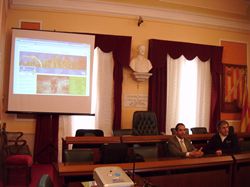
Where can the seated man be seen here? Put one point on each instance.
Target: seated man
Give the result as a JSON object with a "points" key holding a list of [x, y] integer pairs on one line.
{"points": [[178, 145], [222, 142]]}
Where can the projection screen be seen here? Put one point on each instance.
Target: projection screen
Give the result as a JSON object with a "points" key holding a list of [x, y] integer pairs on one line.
{"points": [[50, 72]]}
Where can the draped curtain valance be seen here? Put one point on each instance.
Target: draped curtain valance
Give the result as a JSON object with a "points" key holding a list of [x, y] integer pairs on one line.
{"points": [[158, 51], [119, 45]]}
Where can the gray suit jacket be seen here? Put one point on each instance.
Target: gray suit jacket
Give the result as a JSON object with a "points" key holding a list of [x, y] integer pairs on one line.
{"points": [[175, 148]]}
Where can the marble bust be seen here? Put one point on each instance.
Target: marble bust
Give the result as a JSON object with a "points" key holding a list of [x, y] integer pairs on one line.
{"points": [[139, 63]]}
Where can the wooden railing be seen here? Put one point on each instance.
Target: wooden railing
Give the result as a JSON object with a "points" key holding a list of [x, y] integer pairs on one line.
{"points": [[139, 139]]}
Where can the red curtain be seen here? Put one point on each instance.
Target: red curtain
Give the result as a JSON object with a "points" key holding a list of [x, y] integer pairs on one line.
{"points": [[158, 51], [46, 136]]}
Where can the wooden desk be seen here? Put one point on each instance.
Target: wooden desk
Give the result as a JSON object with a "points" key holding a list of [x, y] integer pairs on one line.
{"points": [[206, 171], [198, 137], [195, 138], [91, 139], [242, 170], [138, 139], [163, 138], [199, 140], [143, 139]]}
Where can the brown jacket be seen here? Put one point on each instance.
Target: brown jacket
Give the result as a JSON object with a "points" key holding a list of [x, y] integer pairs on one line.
{"points": [[175, 148]]}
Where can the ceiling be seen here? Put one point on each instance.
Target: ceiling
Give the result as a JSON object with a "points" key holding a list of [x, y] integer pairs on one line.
{"points": [[227, 14], [227, 7]]}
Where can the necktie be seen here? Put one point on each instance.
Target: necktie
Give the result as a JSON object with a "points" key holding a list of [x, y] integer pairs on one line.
{"points": [[183, 146]]}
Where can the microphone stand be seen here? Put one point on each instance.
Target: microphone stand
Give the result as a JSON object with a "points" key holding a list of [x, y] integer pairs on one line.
{"points": [[133, 171]]}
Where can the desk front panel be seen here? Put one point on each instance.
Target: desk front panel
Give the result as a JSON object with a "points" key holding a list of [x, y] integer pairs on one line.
{"points": [[191, 171], [242, 170], [207, 176]]}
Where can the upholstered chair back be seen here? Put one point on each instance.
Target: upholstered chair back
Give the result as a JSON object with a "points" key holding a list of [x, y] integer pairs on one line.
{"points": [[144, 123]]}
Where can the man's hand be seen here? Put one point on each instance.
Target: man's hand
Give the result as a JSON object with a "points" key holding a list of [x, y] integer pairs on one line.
{"points": [[218, 152], [197, 153]]}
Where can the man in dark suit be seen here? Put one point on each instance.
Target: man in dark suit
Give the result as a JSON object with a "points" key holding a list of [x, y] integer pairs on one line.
{"points": [[180, 146], [223, 142]]}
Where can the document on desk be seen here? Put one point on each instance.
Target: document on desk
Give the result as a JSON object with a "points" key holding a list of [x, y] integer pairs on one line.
{"points": [[89, 184]]}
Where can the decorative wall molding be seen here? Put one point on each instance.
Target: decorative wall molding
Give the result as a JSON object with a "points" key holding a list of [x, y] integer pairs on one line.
{"points": [[121, 9]]}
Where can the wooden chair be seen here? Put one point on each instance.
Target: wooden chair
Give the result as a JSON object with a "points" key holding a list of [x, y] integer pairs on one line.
{"points": [[16, 155]]}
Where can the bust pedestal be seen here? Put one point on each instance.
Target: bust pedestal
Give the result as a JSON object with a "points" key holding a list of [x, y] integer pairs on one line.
{"points": [[141, 76]]}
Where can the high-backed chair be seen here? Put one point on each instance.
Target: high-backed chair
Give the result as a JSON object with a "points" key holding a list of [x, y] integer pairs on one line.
{"points": [[199, 130], [78, 155], [16, 155], [45, 181], [145, 123], [122, 132], [88, 132], [173, 131], [231, 130]]}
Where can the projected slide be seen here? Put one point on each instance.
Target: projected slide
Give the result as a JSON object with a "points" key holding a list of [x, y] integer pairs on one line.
{"points": [[50, 72], [51, 68]]}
